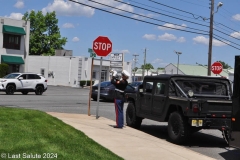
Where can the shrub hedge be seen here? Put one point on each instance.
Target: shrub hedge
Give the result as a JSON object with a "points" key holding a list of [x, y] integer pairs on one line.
{"points": [[83, 82], [3, 69]]}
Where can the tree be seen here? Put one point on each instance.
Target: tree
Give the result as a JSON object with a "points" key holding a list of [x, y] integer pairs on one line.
{"points": [[148, 66], [44, 33], [135, 69], [225, 65]]}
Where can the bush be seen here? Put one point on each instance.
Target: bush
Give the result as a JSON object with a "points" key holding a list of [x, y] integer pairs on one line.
{"points": [[3, 69], [83, 83]]}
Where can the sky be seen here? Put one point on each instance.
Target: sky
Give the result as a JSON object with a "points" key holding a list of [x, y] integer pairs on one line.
{"points": [[159, 28]]}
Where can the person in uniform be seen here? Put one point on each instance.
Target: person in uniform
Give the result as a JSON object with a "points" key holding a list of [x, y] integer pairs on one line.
{"points": [[120, 86]]}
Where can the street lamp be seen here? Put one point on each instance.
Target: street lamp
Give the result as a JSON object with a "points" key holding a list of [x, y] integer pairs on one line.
{"points": [[178, 53], [211, 35]]}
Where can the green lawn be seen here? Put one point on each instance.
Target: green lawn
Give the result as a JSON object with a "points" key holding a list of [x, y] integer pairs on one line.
{"points": [[25, 133]]}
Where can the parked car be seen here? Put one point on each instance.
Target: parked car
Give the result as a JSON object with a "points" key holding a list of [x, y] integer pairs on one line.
{"points": [[136, 84], [23, 82], [107, 91]]}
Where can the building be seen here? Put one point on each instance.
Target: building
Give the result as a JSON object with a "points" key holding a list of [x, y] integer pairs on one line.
{"points": [[14, 38], [70, 70]]}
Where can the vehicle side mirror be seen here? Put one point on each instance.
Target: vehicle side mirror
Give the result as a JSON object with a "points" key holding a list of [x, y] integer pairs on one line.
{"points": [[140, 88], [20, 78]]}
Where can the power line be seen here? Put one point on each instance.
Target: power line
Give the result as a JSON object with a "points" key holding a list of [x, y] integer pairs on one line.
{"points": [[145, 21]]}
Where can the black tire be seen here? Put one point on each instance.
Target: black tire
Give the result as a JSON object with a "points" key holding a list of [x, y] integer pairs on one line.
{"points": [[24, 93], [131, 118], [10, 89], [39, 90], [178, 128]]}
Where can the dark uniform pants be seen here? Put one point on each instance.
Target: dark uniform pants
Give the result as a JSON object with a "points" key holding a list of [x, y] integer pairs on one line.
{"points": [[119, 112]]}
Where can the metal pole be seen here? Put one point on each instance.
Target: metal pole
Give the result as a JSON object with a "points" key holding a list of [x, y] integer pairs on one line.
{"points": [[100, 71], [210, 38], [135, 61], [178, 63], [90, 92], [143, 73]]}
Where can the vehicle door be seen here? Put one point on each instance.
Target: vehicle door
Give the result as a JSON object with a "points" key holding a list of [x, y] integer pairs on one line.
{"points": [[159, 97], [146, 97], [21, 83], [32, 80]]}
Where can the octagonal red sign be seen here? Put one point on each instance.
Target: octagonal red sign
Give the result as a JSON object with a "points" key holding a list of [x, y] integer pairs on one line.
{"points": [[102, 46], [216, 67]]}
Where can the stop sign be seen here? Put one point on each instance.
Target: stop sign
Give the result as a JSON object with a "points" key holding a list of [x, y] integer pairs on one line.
{"points": [[217, 67], [102, 46]]}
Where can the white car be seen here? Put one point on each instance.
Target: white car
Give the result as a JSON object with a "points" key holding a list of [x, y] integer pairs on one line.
{"points": [[23, 82]]}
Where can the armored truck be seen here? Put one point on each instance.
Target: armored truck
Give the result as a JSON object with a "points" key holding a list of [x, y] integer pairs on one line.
{"points": [[187, 103]]}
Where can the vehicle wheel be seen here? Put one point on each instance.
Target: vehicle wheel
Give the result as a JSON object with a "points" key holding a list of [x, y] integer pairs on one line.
{"points": [[39, 90], [10, 89], [131, 118], [24, 93], [178, 129]]}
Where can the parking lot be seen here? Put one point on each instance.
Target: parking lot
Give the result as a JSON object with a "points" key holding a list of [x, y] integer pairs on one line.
{"points": [[75, 100]]}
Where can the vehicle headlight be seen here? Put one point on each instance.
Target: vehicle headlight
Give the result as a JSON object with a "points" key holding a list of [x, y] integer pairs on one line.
{"points": [[190, 93], [3, 80]]}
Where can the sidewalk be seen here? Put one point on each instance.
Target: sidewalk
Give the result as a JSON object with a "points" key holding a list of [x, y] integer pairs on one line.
{"points": [[128, 143]]}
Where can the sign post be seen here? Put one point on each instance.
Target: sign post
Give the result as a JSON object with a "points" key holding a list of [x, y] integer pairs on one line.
{"points": [[216, 68], [92, 54], [102, 46]]}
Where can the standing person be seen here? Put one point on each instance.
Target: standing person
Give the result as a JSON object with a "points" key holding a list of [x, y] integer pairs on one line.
{"points": [[120, 86]]}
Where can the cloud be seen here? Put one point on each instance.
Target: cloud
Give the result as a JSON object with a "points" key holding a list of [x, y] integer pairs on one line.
{"points": [[122, 7], [236, 17], [167, 37], [75, 39], [149, 36], [172, 26], [235, 34], [181, 40], [203, 40], [17, 16], [19, 4], [157, 60], [143, 16], [67, 8], [68, 25]]}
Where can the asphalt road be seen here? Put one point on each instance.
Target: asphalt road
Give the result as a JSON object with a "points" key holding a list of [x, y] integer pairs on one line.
{"points": [[76, 100]]}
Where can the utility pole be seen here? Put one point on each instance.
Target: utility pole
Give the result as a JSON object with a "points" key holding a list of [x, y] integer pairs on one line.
{"points": [[210, 39], [143, 70], [135, 61], [211, 34]]}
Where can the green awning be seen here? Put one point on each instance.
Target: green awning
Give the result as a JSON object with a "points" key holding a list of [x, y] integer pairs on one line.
{"points": [[13, 30], [11, 59]]}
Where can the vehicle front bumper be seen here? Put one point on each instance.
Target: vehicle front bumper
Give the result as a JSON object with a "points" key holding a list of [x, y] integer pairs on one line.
{"points": [[211, 123]]}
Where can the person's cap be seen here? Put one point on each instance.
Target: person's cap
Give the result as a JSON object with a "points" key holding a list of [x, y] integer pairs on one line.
{"points": [[125, 73]]}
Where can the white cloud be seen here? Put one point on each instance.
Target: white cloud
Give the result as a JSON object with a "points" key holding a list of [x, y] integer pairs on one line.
{"points": [[68, 25], [67, 8], [17, 16], [149, 36], [19, 4], [235, 34], [121, 51], [157, 60], [236, 17], [203, 40], [172, 26], [75, 39], [181, 40], [122, 7], [143, 16], [167, 37]]}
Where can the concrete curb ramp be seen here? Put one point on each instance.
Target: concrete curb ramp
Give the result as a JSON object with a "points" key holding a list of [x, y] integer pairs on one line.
{"points": [[128, 143]]}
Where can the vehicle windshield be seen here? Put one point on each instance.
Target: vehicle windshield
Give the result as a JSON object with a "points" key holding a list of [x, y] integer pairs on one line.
{"points": [[11, 76], [205, 87]]}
